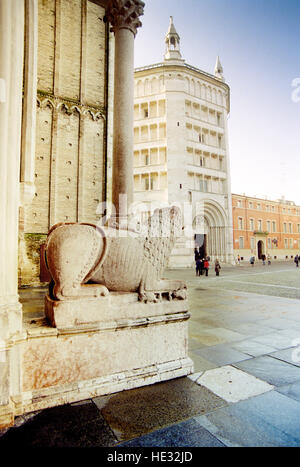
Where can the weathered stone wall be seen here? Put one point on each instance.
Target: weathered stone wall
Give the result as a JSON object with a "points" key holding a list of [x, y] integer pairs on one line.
{"points": [[29, 258], [71, 140]]}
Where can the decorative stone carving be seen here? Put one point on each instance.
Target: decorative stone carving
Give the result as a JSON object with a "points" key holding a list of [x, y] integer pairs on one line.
{"points": [[86, 260], [124, 14], [70, 108]]}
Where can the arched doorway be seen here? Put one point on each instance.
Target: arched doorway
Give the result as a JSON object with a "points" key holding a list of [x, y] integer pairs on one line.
{"points": [[200, 244], [200, 237], [210, 231], [260, 249]]}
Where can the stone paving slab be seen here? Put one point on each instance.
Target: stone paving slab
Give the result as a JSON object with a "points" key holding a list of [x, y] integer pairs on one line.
{"points": [[186, 434], [288, 355], [222, 354], [201, 364], [72, 425], [294, 316], [281, 323], [277, 340], [194, 344], [271, 370], [266, 290], [215, 336], [249, 329], [268, 420], [232, 384], [291, 390], [253, 348], [133, 413]]}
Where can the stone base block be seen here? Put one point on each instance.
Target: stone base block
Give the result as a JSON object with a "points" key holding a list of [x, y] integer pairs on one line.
{"points": [[101, 346], [7, 415], [59, 395], [113, 311]]}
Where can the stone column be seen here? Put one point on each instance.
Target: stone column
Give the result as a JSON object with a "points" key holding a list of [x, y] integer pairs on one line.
{"points": [[27, 179], [123, 16], [29, 102], [11, 74]]}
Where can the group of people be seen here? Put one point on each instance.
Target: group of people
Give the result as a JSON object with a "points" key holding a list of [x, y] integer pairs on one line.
{"points": [[267, 258], [202, 264], [264, 258]]}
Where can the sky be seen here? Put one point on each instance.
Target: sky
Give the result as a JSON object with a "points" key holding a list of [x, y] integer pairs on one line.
{"points": [[258, 42]]}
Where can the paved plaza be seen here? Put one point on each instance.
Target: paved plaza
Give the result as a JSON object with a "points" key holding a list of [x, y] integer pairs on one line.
{"points": [[244, 339]]}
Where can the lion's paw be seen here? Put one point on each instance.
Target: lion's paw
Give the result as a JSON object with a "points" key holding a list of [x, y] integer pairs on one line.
{"points": [[148, 297], [180, 294]]}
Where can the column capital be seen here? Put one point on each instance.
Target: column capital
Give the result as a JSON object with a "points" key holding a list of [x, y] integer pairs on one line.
{"points": [[124, 14]]}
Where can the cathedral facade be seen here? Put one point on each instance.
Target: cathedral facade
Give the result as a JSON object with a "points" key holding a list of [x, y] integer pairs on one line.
{"points": [[181, 151], [66, 122]]}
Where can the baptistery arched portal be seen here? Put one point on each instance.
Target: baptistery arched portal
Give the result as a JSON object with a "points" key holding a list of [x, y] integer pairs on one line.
{"points": [[211, 231], [200, 244]]}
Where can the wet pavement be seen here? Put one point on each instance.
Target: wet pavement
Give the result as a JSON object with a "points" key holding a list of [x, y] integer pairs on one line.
{"points": [[244, 338]]}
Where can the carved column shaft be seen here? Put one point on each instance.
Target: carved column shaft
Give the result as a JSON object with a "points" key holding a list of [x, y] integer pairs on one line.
{"points": [[29, 102], [123, 119], [123, 16]]}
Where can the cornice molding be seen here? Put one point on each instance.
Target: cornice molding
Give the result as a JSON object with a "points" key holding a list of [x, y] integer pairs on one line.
{"points": [[181, 67]]}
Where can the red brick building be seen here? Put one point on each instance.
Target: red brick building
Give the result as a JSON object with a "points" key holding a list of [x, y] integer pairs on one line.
{"points": [[262, 226]]}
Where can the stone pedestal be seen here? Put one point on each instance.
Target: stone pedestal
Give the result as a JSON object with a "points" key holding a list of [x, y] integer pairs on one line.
{"points": [[101, 346]]}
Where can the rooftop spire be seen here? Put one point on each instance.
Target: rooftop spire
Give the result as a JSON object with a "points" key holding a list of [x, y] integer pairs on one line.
{"points": [[172, 29], [172, 41], [219, 70]]}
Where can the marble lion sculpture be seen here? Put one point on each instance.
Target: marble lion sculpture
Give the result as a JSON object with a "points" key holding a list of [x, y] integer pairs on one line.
{"points": [[87, 260]]}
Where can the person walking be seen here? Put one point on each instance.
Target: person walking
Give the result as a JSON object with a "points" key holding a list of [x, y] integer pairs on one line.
{"points": [[297, 259], [263, 257], [269, 260], [198, 267], [217, 267], [252, 260], [201, 266], [206, 266], [238, 259]]}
